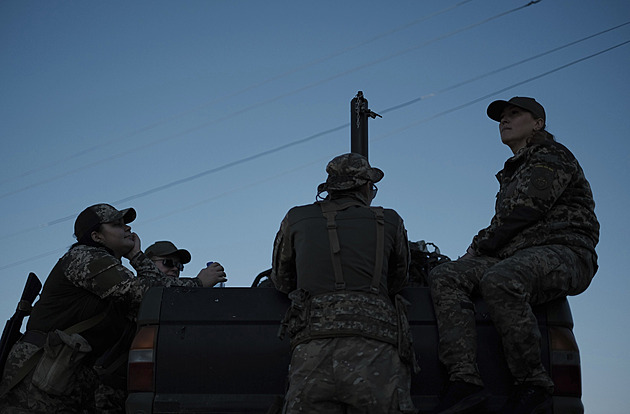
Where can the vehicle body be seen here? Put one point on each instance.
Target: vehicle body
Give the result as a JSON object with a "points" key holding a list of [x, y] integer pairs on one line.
{"points": [[217, 351]]}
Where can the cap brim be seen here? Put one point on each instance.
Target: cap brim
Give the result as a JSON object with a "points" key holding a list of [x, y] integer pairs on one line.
{"points": [[128, 215], [376, 175], [184, 255], [495, 109]]}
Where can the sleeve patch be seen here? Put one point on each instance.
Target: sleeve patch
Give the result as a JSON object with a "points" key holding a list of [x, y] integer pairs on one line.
{"points": [[542, 178]]}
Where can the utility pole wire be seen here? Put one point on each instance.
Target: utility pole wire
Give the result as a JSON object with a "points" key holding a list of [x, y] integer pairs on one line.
{"points": [[485, 75], [266, 102], [215, 101], [496, 92]]}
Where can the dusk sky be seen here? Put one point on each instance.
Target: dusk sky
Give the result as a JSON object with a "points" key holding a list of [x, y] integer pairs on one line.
{"points": [[213, 118]]}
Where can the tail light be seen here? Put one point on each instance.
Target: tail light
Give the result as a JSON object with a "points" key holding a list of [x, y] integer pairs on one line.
{"points": [[142, 360], [565, 363]]}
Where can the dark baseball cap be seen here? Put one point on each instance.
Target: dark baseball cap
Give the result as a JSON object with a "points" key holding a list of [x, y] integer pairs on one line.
{"points": [[98, 214], [495, 109], [166, 248]]}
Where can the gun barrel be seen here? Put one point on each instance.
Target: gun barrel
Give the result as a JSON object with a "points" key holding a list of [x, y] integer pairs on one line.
{"points": [[11, 332]]}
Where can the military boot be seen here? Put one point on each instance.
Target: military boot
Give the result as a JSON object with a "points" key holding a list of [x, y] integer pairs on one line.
{"points": [[527, 399], [460, 397]]}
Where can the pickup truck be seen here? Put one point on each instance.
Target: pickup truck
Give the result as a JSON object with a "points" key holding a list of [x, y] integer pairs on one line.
{"points": [[217, 351]]}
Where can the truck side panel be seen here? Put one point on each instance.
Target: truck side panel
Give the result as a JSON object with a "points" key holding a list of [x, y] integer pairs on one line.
{"points": [[217, 350]]}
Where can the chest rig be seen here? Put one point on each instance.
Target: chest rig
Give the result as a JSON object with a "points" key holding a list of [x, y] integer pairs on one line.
{"points": [[343, 312]]}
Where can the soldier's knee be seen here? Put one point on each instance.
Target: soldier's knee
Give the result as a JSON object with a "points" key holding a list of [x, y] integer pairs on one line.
{"points": [[499, 286], [443, 276]]}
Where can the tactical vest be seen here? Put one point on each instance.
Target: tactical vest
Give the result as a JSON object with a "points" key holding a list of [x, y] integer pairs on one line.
{"points": [[343, 312], [63, 304]]}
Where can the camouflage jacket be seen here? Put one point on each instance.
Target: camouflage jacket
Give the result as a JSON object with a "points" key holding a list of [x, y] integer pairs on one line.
{"points": [[544, 198], [87, 281], [302, 257]]}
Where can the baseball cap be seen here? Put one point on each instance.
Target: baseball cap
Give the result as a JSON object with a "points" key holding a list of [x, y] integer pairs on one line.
{"points": [[98, 214], [166, 248], [349, 171], [495, 109]]}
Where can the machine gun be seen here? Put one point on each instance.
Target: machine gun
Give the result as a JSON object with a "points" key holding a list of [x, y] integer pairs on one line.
{"points": [[11, 332]]}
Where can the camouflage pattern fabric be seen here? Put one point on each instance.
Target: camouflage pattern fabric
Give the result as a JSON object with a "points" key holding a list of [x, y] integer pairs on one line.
{"points": [[348, 375], [92, 269], [346, 372], [544, 198], [109, 400], [509, 287], [95, 270], [26, 397], [349, 314], [108, 214], [349, 171], [84, 278]]}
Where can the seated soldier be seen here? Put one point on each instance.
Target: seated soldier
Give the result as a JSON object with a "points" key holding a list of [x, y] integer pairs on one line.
{"points": [[539, 246], [171, 260]]}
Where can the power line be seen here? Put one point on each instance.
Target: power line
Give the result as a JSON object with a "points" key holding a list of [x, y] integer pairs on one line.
{"points": [[319, 134], [514, 85], [487, 74], [474, 101], [218, 100], [128, 151]]}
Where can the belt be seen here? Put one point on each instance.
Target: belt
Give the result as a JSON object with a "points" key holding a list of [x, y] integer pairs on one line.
{"points": [[37, 338]]}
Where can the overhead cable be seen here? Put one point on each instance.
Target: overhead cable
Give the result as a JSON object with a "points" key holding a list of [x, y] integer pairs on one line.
{"points": [[128, 151], [124, 137], [482, 98]]}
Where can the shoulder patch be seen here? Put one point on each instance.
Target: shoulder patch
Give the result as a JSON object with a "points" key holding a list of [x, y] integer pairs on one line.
{"points": [[540, 183], [541, 179], [101, 264], [103, 281]]}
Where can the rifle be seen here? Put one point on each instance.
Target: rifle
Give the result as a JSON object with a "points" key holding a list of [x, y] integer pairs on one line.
{"points": [[11, 332]]}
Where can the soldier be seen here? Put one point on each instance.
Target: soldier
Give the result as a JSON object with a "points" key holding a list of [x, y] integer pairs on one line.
{"points": [[88, 300], [539, 246], [171, 260], [341, 262]]}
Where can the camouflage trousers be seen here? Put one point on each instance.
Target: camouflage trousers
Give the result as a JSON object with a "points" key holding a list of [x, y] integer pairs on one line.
{"points": [[109, 400], [347, 375], [27, 398], [509, 287]]}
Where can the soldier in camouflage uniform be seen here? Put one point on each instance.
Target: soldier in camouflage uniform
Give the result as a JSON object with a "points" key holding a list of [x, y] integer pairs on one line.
{"points": [[171, 260], [539, 246], [89, 280], [341, 261]]}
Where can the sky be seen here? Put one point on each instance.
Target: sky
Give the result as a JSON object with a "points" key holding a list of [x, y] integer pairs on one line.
{"points": [[213, 118]]}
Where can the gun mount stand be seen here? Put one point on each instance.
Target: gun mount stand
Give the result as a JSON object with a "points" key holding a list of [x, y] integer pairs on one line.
{"points": [[359, 114]]}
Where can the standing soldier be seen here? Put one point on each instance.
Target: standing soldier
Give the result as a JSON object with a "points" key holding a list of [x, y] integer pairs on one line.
{"points": [[539, 246], [341, 262], [88, 300]]}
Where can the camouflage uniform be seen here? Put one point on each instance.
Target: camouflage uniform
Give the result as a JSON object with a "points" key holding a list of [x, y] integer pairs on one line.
{"points": [[85, 282], [540, 246], [342, 323], [360, 373]]}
